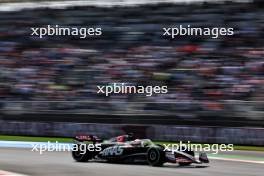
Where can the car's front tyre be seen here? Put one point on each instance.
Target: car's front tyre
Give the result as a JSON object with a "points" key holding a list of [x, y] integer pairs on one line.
{"points": [[155, 157]]}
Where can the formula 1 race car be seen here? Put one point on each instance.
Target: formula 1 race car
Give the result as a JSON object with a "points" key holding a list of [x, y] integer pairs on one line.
{"points": [[126, 149]]}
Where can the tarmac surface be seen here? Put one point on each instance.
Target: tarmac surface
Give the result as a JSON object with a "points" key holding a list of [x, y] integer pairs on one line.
{"points": [[24, 161]]}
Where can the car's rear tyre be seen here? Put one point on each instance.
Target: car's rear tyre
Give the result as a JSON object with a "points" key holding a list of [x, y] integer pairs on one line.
{"points": [[81, 156], [155, 157]]}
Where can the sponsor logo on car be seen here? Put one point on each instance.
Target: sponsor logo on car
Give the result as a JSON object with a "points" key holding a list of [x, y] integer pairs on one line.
{"points": [[111, 151]]}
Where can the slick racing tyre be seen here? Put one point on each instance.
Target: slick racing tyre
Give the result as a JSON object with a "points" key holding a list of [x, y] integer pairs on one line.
{"points": [[80, 155], [155, 157]]}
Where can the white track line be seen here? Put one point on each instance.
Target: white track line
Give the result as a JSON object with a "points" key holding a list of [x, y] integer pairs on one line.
{"points": [[31, 145], [237, 160], [5, 173]]}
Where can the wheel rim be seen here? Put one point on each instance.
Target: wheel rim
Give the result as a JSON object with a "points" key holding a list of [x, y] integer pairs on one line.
{"points": [[152, 155]]}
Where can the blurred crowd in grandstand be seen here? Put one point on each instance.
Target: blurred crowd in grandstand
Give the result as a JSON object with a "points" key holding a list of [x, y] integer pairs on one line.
{"points": [[202, 74]]}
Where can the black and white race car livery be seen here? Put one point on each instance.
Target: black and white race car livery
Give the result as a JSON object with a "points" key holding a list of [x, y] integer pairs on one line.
{"points": [[126, 149]]}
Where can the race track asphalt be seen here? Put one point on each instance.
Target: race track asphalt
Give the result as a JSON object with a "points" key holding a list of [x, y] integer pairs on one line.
{"points": [[27, 162]]}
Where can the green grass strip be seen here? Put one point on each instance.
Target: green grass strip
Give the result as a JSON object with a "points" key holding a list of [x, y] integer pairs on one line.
{"points": [[34, 139]]}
